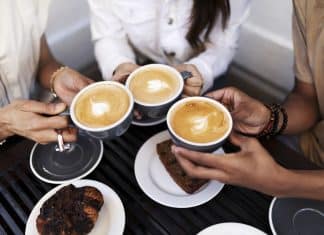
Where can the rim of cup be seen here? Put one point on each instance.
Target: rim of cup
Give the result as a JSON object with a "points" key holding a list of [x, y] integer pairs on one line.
{"points": [[155, 66], [200, 98], [98, 129]]}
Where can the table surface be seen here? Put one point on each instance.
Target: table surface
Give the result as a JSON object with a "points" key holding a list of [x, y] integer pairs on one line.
{"points": [[20, 190]]}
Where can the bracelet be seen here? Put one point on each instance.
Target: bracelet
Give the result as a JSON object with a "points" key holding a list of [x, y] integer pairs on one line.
{"points": [[53, 77], [271, 129], [284, 121], [272, 125]]}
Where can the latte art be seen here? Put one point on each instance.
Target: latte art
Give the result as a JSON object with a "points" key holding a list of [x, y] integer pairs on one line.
{"points": [[101, 106], [154, 86], [199, 122]]}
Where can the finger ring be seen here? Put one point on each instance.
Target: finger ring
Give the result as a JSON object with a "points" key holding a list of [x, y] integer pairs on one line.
{"points": [[60, 141]]}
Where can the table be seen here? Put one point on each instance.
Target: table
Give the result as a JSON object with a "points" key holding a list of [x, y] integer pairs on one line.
{"points": [[20, 190]]}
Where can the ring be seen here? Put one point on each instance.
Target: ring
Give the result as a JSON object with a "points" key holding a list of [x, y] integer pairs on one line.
{"points": [[60, 141]]}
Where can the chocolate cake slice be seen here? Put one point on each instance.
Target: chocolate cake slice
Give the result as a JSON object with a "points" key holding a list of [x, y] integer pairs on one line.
{"points": [[188, 184], [70, 211]]}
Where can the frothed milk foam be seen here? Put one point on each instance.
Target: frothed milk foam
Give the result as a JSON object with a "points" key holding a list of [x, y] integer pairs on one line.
{"points": [[101, 106], [154, 86], [199, 122]]}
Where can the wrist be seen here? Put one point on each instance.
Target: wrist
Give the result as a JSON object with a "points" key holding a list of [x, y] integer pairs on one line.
{"points": [[54, 78], [285, 183], [4, 127], [277, 122]]}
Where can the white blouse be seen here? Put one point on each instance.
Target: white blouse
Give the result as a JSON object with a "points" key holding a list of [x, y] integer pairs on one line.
{"points": [[22, 24], [125, 29]]}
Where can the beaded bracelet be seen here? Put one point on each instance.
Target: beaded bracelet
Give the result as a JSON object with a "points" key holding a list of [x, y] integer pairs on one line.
{"points": [[284, 121], [53, 77], [271, 129]]}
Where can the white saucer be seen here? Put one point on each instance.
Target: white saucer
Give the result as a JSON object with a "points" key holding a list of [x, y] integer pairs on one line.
{"points": [[156, 183], [148, 121], [231, 229], [111, 220]]}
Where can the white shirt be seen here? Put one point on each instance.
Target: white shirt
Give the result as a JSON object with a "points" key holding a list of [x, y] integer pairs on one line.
{"points": [[22, 24], [156, 29]]}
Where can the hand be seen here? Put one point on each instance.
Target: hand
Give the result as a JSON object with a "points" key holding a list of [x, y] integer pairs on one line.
{"points": [[193, 85], [252, 167], [249, 115], [24, 118], [68, 83], [123, 71]]}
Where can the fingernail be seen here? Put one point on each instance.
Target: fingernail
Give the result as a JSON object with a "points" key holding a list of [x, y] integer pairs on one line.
{"points": [[173, 149]]}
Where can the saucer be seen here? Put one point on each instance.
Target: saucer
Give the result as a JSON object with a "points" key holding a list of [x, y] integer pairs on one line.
{"points": [[111, 219], [55, 167], [231, 229], [157, 184], [296, 216], [146, 121]]}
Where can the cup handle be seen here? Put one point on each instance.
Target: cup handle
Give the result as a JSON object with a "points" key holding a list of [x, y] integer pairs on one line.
{"points": [[186, 74]]}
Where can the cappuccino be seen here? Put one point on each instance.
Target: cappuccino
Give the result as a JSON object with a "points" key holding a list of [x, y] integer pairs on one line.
{"points": [[101, 106], [154, 85], [199, 121]]}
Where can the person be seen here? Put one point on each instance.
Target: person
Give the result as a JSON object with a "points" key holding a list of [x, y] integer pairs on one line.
{"points": [[252, 166], [196, 36], [25, 56]]}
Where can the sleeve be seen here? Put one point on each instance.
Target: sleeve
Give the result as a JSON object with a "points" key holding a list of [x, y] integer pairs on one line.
{"points": [[42, 14], [109, 37], [214, 61], [301, 64]]}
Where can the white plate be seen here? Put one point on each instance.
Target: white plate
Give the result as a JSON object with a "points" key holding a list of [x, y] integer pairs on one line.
{"points": [[231, 229], [156, 183], [148, 121], [111, 220]]}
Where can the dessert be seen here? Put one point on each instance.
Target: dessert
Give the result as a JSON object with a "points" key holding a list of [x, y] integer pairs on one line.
{"points": [[70, 211], [188, 184]]}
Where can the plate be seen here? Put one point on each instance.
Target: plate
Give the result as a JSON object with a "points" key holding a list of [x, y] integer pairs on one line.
{"points": [[156, 183], [55, 167], [111, 219], [145, 121], [231, 229], [296, 216]]}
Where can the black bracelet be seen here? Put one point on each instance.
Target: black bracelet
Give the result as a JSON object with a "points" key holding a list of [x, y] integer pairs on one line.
{"points": [[284, 121]]}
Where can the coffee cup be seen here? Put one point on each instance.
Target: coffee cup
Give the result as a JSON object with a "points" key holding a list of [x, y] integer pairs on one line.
{"points": [[155, 88], [103, 109], [199, 123]]}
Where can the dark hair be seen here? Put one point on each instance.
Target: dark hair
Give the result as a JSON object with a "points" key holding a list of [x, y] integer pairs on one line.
{"points": [[204, 14]]}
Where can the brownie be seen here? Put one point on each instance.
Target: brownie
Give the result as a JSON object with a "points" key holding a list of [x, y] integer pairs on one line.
{"points": [[70, 211], [188, 184]]}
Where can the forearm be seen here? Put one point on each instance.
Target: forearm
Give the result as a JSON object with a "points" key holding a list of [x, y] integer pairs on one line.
{"points": [[47, 65], [302, 109], [303, 184]]}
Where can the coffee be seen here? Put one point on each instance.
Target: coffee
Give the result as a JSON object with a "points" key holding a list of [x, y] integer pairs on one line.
{"points": [[101, 106], [154, 85], [199, 121]]}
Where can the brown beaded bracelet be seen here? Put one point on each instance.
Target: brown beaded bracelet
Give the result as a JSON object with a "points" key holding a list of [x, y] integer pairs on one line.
{"points": [[284, 121], [270, 130]]}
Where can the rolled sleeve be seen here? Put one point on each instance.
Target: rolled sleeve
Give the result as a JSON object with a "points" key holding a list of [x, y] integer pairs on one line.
{"points": [[109, 37]]}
